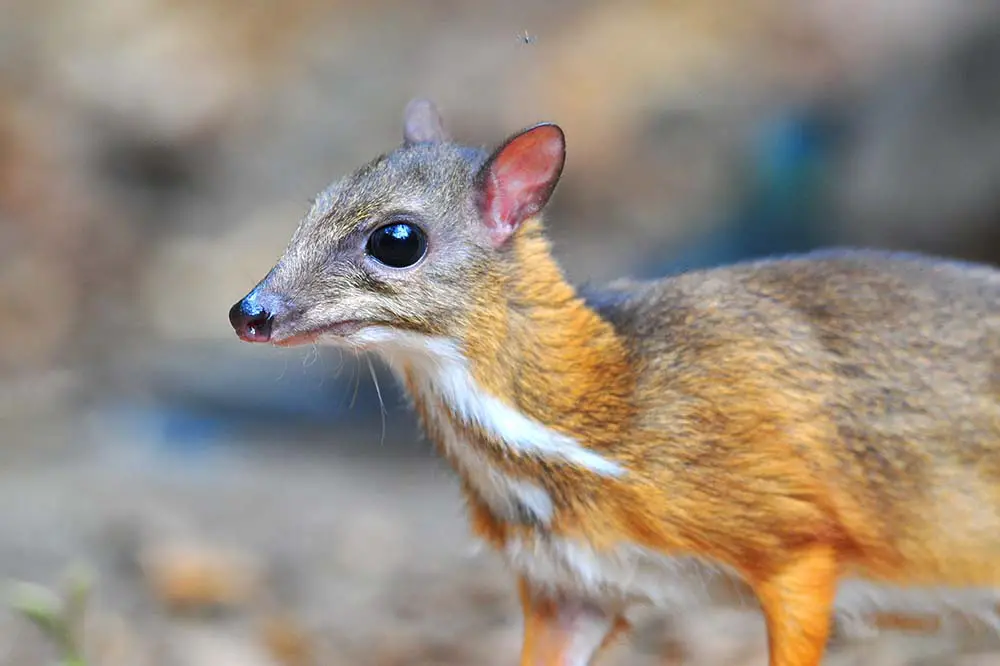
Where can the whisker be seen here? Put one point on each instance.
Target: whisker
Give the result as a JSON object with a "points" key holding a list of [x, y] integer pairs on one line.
{"points": [[357, 379], [381, 403], [346, 386], [340, 360], [322, 365], [310, 356]]}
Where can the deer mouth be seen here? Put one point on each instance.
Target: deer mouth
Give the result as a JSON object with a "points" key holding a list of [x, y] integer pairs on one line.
{"points": [[339, 329]]}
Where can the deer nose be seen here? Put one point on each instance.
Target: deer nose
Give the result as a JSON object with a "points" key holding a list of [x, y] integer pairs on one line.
{"points": [[251, 320]]}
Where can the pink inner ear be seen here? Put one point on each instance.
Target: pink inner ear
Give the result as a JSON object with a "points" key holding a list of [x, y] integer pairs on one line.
{"points": [[521, 178]]}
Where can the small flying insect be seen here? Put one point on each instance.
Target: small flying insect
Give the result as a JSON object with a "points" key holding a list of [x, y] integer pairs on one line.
{"points": [[525, 38]]}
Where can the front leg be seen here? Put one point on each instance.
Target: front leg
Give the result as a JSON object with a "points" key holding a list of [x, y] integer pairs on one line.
{"points": [[564, 630], [797, 600]]}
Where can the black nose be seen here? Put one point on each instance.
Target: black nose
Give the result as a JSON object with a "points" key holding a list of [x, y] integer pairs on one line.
{"points": [[251, 321]]}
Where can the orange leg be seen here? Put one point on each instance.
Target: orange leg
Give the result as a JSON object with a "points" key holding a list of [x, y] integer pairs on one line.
{"points": [[564, 631], [797, 601]]}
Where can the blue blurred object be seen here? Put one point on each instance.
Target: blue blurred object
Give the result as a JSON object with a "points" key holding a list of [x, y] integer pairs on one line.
{"points": [[193, 400], [782, 209]]}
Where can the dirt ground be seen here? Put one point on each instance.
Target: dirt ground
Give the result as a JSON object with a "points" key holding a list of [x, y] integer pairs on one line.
{"points": [[324, 547]]}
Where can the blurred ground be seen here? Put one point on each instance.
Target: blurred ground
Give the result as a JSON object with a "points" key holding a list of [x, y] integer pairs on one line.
{"points": [[155, 156]]}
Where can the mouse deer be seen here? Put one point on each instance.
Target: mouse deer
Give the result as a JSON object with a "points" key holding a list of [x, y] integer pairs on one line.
{"points": [[805, 425]]}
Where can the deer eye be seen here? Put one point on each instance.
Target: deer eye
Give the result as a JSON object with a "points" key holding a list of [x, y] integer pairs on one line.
{"points": [[397, 244]]}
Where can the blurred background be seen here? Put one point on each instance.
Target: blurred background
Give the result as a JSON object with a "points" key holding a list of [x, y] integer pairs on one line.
{"points": [[246, 505]]}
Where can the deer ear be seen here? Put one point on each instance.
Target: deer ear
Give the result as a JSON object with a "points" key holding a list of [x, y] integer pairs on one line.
{"points": [[517, 180], [422, 123]]}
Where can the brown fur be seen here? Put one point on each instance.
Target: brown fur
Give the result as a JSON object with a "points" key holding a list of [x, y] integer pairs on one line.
{"points": [[797, 419]]}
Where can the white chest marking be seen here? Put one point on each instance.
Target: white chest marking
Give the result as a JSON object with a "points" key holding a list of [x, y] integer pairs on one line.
{"points": [[443, 371], [508, 498], [628, 573]]}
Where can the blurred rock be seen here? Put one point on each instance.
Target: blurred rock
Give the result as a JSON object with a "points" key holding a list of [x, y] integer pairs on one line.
{"points": [[287, 641], [191, 646], [195, 577]]}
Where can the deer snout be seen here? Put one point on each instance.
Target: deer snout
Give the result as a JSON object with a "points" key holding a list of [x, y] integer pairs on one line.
{"points": [[252, 317]]}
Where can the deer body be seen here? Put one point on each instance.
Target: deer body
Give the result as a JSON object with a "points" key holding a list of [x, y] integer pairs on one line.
{"points": [[822, 432]]}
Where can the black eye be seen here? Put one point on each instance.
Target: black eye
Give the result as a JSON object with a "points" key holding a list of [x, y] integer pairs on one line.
{"points": [[399, 244]]}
